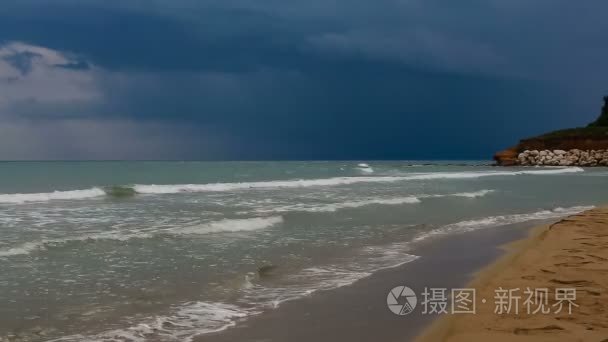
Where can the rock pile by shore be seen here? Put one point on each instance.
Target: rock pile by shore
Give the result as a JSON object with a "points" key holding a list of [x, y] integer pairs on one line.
{"points": [[581, 146], [573, 157]]}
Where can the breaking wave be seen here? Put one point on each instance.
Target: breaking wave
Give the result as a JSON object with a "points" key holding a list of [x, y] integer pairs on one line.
{"points": [[120, 191], [235, 225], [111, 191], [25, 248], [215, 227], [287, 184], [127, 191], [333, 207], [475, 194], [336, 181], [502, 220], [49, 196], [365, 168]]}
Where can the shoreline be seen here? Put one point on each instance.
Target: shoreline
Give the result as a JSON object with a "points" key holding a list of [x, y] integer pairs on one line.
{"points": [[569, 254], [359, 312]]}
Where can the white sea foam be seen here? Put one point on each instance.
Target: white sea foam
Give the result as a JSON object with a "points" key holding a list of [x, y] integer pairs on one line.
{"points": [[333, 207], [25, 248], [235, 225], [479, 174], [553, 171], [475, 194], [29, 247], [287, 184], [502, 220], [215, 227], [20, 198], [198, 318], [337, 181], [192, 319], [49, 196], [328, 277], [365, 168], [379, 201], [183, 324]]}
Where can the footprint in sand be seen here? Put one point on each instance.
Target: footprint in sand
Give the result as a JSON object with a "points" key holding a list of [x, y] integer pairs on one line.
{"points": [[572, 282], [546, 329], [573, 264]]}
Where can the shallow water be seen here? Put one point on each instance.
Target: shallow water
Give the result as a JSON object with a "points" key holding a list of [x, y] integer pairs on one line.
{"points": [[163, 251]]}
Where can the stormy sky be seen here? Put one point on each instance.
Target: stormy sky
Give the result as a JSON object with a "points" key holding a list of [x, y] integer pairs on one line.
{"points": [[294, 79]]}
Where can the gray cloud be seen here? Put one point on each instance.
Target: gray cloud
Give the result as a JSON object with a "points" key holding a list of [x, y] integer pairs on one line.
{"points": [[306, 79], [29, 76], [50, 109]]}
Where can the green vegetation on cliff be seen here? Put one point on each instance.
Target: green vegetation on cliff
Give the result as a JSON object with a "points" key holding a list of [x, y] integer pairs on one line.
{"points": [[596, 129], [580, 132], [602, 121], [590, 138]]}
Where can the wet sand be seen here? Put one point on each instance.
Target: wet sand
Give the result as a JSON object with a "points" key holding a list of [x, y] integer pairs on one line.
{"points": [[359, 312], [571, 254]]}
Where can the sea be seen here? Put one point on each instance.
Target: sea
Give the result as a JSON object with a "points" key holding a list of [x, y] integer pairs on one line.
{"points": [[166, 251]]}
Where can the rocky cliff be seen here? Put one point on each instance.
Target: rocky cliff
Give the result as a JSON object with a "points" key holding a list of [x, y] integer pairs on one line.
{"points": [[585, 141]]}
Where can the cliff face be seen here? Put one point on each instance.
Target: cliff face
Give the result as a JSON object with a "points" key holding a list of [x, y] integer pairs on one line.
{"points": [[569, 143], [507, 157], [591, 138]]}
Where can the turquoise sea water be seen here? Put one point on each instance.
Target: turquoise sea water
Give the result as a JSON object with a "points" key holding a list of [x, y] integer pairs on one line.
{"points": [[163, 251]]}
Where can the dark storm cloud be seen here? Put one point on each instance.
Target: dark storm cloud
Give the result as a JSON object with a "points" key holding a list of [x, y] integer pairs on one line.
{"points": [[306, 79], [119, 38]]}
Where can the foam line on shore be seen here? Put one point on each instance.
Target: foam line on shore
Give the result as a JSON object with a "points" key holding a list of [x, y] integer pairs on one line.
{"points": [[189, 320], [501, 220], [183, 324], [568, 255]]}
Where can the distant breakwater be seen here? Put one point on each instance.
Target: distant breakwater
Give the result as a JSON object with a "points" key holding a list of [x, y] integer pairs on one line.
{"points": [[574, 157]]}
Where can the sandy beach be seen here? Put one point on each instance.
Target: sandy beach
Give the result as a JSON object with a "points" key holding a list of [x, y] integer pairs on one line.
{"points": [[570, 255]]}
